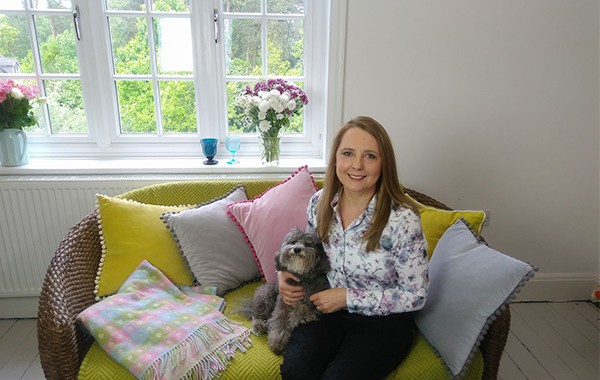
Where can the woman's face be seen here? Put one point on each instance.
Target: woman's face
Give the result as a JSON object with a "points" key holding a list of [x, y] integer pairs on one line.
{"points": [[358, 162]]}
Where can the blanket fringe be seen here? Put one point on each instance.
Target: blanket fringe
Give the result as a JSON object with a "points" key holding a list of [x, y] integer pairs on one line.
{"points": [[202, 339]]}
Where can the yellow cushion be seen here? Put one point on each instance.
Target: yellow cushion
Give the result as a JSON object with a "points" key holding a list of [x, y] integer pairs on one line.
{"points": [[131, 232], [436, 221]]}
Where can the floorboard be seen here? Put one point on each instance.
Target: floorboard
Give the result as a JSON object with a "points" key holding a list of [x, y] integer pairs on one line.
{"points": [[524, 360], [578, 321], [544, 355], [24, 353], [18, 348], [552, 345]]}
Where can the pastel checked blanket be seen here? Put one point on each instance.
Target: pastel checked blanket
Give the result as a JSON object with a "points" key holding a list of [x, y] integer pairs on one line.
{"points": [[158, 331]]}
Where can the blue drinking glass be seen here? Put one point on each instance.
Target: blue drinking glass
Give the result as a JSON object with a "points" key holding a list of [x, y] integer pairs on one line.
{"points": [[209, 148], [232, 143]]}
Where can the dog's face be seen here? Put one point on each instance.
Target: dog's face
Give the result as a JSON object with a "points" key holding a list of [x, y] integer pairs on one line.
{"points": [[301, 253]]}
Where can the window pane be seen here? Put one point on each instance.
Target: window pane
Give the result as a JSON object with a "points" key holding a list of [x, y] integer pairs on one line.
{"points": [[296, 121], [241, 6], [171, 5], [178, 106], [15, 46], [286, 47], [11, 4], [37, 111], [243, 47], [57, 44], [65, 102], [129, 41], [136, 107], [52, 4], [126, 5], [235, 114], [285, 6], [173, 45]]}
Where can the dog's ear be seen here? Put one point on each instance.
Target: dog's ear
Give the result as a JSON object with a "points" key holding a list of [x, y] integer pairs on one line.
{"points": [[278, 265], [323, 263], [293, 234]]}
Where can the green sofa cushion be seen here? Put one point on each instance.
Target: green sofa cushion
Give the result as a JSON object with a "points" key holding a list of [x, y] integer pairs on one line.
{"points": [[259, 363]]}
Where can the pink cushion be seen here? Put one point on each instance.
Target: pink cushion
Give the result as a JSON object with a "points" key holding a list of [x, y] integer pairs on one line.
{"points": [[266, 219]]}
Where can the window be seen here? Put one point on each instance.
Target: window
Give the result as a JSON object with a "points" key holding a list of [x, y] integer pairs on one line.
{"points": [[135, 78]]}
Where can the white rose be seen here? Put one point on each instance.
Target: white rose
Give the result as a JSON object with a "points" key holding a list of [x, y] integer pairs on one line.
{"points": [[264, 106], [284, 98], [16, 93], [279, 116], [264, 125], [291, 105], [256, 101], [262, 115], [278, 107], [275, 93]]}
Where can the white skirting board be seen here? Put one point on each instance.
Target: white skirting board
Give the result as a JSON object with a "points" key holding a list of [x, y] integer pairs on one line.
{"points": [[559, 287]]}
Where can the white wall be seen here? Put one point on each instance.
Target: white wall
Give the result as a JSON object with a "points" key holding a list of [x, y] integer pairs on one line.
{"points": [[492, 104]]}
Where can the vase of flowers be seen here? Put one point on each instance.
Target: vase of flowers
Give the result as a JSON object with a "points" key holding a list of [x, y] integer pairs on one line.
{"points": [[16, 112], [269, 105]]}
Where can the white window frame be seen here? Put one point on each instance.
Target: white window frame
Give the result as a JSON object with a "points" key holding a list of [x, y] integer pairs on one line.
{"points": [[322, 116]]}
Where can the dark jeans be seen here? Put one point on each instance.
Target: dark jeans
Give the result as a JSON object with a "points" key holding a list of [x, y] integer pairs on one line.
{"points": [[348, 346]]}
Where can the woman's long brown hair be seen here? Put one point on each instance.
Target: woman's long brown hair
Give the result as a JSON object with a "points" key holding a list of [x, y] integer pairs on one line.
{"points": [[388, 189]]}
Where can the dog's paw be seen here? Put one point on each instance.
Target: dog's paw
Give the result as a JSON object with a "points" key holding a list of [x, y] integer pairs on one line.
{"points": [[278, 340], [259, 326], [277, 347]]}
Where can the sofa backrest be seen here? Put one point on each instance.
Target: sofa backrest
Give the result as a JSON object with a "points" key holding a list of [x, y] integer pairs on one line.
{"points": [[200, 191]]}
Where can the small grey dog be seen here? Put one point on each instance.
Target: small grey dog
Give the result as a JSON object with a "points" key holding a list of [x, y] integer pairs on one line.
{"points": [[302, 255]]}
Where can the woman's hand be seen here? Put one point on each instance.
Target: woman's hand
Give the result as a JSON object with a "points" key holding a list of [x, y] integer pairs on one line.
{"points": [[330, 300], [289, 293]]}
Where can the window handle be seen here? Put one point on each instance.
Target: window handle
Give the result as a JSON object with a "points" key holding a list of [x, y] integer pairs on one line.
{"points": [[76, 23], [216, 21]]}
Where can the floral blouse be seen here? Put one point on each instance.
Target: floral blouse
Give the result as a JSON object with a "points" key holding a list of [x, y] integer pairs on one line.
{"points": [[391, 279]]}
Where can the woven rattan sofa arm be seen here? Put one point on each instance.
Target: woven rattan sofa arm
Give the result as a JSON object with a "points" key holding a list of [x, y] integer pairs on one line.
{"points": [[493, 345], [425, 199], [67, 290]]}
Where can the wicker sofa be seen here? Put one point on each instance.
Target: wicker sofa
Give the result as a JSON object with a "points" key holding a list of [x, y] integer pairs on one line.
{"points": [[66, 351]]}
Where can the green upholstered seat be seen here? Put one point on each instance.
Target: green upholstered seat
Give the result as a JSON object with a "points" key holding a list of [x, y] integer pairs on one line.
{"points": [[259, 363]]}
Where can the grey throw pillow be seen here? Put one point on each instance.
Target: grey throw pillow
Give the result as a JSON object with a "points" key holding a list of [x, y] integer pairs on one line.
{"points": [[212, 244], [470, 283]]}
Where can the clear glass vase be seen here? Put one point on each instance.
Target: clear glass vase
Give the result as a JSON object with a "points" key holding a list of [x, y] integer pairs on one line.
{"points": [[270, 149]]}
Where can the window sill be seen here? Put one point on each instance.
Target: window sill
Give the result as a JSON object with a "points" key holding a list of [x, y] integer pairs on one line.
{"points": [[166, 166]]}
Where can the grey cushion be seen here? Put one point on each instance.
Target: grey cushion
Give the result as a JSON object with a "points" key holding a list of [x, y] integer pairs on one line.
{"points": [[212, 244], [470, 283]]}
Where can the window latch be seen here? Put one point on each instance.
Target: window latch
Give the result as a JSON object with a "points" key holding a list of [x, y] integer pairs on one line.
{"points": [[76, 23], [216, 21]]}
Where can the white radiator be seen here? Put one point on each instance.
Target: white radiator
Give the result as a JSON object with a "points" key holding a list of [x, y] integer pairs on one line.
{"points": [[36, 213]]}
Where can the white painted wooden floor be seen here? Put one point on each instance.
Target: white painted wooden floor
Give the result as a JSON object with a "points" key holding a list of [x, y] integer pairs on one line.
{"points": [[557, 340], [547, 341]]}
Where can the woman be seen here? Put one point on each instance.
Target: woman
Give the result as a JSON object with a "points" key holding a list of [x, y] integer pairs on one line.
{"points": [[372, 234]]}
